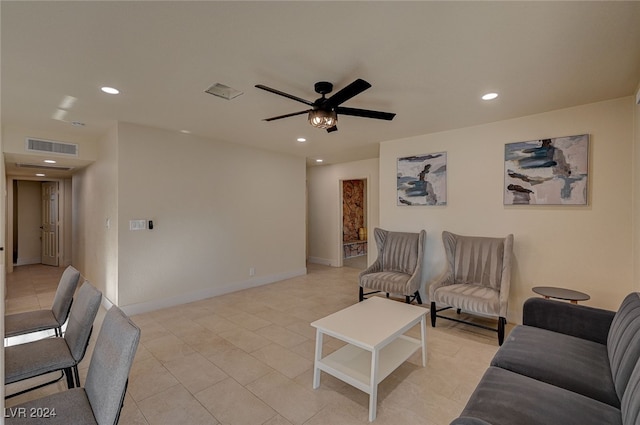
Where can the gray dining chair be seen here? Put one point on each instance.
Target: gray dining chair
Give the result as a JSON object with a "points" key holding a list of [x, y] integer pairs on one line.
{"points": [[100, 401], [54, 354], [46, 319]]}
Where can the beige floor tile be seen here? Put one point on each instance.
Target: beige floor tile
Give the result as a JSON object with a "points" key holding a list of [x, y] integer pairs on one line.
{"points": [[281, 336], [149, 377], [131, 414], [231, 403], [329, 415], [245, 339], [248, 321], [284, 361], [278, 420], [195, 372], [275, 316], [289, 399], [241, 366], [175, 405], [216, 323], [168, 348]]}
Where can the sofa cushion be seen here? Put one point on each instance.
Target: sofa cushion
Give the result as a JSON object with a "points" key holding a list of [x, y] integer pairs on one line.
{"points": [[468, 297], [565, 361], [623, 341], [392, 282], [630, 405], [506, 398]]}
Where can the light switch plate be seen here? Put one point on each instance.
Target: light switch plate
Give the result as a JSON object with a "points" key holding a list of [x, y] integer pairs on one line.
{"points": [[137, 224]]}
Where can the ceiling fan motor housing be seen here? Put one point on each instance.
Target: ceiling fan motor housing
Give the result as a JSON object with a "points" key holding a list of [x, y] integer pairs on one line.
{"points": [[323, 87]]}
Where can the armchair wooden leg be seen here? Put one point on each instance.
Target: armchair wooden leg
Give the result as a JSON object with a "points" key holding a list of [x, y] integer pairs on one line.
{"points": [[361, 294], [433, 314], [418, 297]]}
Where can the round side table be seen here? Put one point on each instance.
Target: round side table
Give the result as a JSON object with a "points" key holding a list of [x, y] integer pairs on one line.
{"points": [[561, 293]]}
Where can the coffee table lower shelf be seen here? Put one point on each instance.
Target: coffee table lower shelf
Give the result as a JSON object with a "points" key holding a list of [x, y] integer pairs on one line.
{"points": [[352, 364]]}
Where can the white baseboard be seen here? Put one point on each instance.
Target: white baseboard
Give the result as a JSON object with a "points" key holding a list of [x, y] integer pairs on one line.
{"points": [[202, 294], [323, 261]]}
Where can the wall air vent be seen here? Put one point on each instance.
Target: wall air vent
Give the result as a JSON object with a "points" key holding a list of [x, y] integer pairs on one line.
{"points": [[44, 167], [49, 146]]}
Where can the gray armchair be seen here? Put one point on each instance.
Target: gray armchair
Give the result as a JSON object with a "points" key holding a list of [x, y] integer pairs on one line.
{"points": [[47, 355], [42, 320], [477, 280], [100, 401], [398, 268]]}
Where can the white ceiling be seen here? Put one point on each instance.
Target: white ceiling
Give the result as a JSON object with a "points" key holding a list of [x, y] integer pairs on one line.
{"points": [[429, 62]]}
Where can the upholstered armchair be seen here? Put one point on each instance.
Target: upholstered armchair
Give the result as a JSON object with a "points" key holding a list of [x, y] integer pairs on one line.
{"points": [[477, 279], [398, 268]]}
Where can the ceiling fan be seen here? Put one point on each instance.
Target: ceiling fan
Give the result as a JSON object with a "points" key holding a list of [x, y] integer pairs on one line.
{"points": [[324, 111]]}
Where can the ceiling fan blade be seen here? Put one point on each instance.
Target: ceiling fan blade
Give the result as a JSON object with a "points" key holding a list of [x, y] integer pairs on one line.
{"points": [[353, 89], [293, 114], [365, 113], [332, 129], [281, 93]]}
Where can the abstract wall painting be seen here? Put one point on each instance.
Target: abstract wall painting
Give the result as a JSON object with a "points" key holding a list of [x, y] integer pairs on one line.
{"points": [[547, 171], [422, 179]]}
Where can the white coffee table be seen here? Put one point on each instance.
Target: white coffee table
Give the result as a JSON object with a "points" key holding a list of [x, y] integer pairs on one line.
{"points": [[373, 330]]}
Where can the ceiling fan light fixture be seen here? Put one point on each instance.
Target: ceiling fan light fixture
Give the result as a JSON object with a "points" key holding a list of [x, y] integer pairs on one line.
{"points": [[323, 119]]}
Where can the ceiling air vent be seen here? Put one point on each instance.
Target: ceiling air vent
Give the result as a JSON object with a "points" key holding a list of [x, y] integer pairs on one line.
{"points": [[223, 91], [44, 167], [49, 146]]}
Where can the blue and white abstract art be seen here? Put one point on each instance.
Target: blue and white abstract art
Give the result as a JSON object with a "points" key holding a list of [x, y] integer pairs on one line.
{"points": [[547, 171], [422, 179]]}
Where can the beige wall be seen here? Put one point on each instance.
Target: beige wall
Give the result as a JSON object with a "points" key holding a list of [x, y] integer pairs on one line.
{"points": [[218, 209], [325, 208], [588, 248], [95, 200]]}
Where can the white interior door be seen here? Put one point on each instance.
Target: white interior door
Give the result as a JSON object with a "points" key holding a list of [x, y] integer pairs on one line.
{"points": [[50, 223]]}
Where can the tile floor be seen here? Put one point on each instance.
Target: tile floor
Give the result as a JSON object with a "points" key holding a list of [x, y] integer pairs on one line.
{"points": [[247, 358]]}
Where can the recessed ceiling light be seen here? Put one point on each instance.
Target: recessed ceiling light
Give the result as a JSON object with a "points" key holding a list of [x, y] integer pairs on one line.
{"points": [[301, 139], [110, 90], [50, 161], [318, 160], [40, 175], [489, 96], [185, 132]]}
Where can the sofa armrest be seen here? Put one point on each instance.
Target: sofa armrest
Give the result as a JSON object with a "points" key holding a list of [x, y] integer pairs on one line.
{"points": [[571, 319]]}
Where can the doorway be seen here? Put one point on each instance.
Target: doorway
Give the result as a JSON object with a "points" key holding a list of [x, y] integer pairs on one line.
{"points": [[354, 223], [35, 222]]}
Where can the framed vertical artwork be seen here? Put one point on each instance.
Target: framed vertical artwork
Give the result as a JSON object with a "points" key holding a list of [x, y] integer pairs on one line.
{"points": [[422, 179], [547, 171]]}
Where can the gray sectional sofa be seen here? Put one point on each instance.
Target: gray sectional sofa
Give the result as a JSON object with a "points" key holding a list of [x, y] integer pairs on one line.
{"points": [[567, 364]]}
